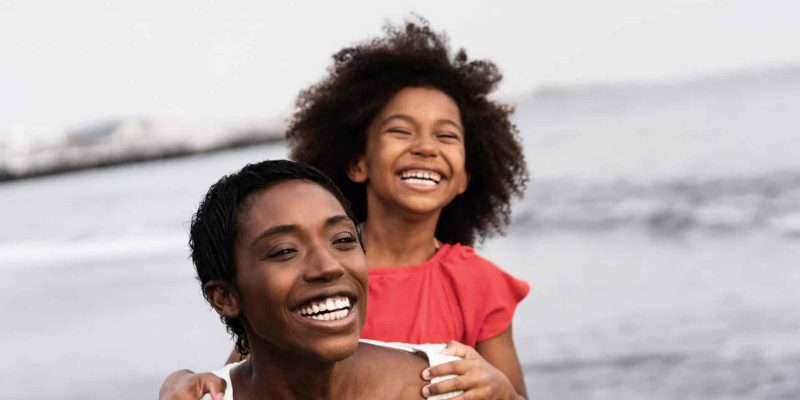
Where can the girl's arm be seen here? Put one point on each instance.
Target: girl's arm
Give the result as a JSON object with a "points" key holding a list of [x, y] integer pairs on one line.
{"points": [[186, 385], [491, 372]]}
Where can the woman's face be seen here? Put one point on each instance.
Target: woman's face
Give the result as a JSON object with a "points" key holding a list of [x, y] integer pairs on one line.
{"points": [[415, 156], [301, 272]]}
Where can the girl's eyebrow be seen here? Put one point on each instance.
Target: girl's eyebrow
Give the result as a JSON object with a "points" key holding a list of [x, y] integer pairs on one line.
{"points": [[410, 120], [289, 228], [401, 117], [451, 122]]}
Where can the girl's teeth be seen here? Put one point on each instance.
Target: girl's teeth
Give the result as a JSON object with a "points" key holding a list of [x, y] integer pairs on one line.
{"points": [[315, 308], [418, 181], [330, 305]]}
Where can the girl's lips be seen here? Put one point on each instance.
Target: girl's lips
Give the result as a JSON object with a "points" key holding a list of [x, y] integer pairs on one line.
{"points": [[420, 179], [422, 174], [420, 167], [419, 185]]}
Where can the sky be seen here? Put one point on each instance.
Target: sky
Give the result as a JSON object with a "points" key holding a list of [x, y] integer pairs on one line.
{"points": [[64, 64]]}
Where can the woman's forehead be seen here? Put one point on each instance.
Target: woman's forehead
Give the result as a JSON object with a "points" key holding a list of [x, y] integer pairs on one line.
{"points": [[293, 202]]}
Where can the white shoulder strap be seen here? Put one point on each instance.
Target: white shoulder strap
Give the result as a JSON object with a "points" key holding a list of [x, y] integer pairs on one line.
{"points": [[433, 352]]}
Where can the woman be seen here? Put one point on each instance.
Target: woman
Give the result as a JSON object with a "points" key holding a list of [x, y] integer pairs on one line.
{"points": [[279, 258]]}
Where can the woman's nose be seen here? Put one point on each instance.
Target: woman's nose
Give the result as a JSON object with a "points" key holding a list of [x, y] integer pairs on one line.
{"points": [[323, 266]]}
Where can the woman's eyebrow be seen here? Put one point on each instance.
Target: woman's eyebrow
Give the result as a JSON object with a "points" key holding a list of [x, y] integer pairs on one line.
{"points": [[281, 229], [337, 219], [275, 230]]}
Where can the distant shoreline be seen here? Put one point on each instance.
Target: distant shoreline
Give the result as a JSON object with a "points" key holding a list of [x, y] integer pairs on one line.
{"points": [[136, 157]]}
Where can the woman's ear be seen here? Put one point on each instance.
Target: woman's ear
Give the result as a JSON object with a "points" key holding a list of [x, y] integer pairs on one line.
{"points": [[357, 170], [222, 298]]}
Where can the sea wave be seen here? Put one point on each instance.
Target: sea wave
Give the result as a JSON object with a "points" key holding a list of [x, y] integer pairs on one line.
{"points": [[31, 253], [770, 202]]}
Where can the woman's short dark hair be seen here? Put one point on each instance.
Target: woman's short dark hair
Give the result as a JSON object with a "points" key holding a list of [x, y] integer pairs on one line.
{"points": [[215, 226], [329, 127]]}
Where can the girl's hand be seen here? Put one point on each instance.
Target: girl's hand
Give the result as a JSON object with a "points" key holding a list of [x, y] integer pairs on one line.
{"points": [[474, 375], [186, 385]]}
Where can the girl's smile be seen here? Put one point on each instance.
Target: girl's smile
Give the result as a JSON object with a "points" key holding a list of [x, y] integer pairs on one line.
{"points": [[415, 158]]}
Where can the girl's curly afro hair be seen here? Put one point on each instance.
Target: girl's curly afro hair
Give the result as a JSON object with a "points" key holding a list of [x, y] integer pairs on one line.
{"points": [[329, 127]]}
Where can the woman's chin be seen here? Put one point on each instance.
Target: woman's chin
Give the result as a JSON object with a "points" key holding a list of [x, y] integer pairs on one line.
{"points": [[336, 350]]}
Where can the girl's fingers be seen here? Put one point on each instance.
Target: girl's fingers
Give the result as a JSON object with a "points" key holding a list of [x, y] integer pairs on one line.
{"points": [[459, 350], [459, 367], [213, 385], [463, 383]]}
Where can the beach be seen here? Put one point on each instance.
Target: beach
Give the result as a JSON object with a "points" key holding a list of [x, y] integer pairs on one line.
{"points": [[660, 236]]}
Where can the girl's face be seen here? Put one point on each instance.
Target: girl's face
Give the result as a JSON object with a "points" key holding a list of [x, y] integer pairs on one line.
{"points": [[415, 155], [301, 272]]}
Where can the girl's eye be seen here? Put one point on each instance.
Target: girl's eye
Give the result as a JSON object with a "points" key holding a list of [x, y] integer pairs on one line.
{"points": [[399, 131], [448, 136]]}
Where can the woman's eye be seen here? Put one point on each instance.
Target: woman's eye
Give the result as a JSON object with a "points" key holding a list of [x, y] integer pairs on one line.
{"points": [[279, 253], [344, 240]]}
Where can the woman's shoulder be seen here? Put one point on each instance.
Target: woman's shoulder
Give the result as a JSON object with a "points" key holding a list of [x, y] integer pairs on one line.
{"points": [[405, 362], [391, 370]]}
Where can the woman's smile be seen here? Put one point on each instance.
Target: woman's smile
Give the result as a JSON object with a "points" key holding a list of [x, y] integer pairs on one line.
{"points": [[309, 292], [332, 312]]}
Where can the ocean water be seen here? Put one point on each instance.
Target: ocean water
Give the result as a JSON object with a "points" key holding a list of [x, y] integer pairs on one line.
{"points": [[660, 235]]}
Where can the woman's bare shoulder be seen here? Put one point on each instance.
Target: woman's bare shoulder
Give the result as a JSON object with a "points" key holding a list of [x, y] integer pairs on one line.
{"points": [[393, 373]]}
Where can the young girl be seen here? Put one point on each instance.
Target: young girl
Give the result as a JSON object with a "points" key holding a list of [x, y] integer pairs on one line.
{"points": [[430, 164]]}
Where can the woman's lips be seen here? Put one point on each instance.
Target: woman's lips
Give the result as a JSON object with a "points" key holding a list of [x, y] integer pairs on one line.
{"points": [[327, 309]]}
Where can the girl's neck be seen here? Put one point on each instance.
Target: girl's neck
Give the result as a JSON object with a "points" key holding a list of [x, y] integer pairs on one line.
{"points": [[393, 240]]}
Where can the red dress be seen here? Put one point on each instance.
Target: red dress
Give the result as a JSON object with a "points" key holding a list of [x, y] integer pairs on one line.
{"points": [[455, 295]]}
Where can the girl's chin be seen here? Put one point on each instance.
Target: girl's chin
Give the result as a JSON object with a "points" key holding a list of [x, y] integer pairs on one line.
{"points": [[424, 205]]}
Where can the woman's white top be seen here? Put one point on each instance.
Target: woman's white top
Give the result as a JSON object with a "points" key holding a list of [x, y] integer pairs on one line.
{"points": [[430, 351]]}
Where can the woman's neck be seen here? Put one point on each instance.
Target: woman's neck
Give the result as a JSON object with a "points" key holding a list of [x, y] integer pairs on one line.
{"points": [[276, 377], [394, 240]]}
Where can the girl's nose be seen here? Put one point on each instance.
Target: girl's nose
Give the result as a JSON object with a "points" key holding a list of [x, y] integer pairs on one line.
{"points": [[322, 266], [424, 146]]}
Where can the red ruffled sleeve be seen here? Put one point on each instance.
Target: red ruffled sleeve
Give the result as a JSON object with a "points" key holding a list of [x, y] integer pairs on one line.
{"points": [[488, 296]]}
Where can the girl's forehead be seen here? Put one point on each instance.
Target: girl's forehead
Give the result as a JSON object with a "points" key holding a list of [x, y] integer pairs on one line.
{"points": [[413, 96], [422, 105]]}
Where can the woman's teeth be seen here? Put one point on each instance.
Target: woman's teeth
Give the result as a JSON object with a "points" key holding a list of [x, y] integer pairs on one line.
{"points": [[330, 309]]}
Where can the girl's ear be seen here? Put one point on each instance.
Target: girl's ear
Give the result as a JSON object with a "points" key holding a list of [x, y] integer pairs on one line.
{"points": [[464, 184], [357, 170], [222, 298]]}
